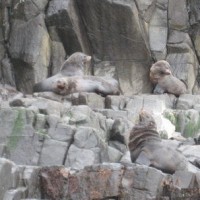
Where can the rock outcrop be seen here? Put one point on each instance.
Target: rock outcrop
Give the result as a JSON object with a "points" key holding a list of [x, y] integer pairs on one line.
{"points": [[75, 146], [102, 181], [123, 38]]}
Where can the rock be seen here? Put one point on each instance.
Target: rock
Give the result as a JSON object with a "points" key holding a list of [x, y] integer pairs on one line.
{"points": [[183, 62], [181, 185], [88, 138], [57, 56], [126, 158], [60, 131], [158, 30], [146, 8], [115, 102], [22, 102], [27, 10], [57, 11], [5, 176], [195, 35], [83, 116], [8, 93], [194, 14], [93, 100], [30, 179], [190, 152], [105, 69], [98, 182], [78, 158], [49, 95], [89, 147], [120, 130], [134, 188], [48, 107], [7, 71], [114, 155], [188, 101], [113, 114], [178, 19], [179, 37], [185, 102], [53, 181], [30, 50], [124, 35], [53, 152], [188, 122], [118, 145], [15, 193], [18, 134]]}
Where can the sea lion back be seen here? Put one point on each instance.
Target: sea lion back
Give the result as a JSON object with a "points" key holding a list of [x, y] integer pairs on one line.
{"points": [[75, 64]]}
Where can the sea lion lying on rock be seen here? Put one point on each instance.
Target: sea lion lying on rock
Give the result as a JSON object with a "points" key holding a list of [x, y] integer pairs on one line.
{"points": [[73, 66], [160, 74], [147, 148], [72, 84]]}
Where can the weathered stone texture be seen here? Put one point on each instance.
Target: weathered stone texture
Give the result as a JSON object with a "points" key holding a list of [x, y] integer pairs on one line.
{"points": [[124, 42], [30, 51], [83, 130], [122, 37]]}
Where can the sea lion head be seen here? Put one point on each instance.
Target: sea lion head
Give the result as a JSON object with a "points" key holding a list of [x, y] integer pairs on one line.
{"points": [[144, 131], [61, 86], [79, 58], [158, 70], [146, 121], [76, 64]]}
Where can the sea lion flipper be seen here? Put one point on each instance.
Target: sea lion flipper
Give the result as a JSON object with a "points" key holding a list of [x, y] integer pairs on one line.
{"points": [[143, 159]]}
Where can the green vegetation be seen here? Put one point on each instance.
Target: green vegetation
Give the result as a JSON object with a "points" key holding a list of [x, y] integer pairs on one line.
{"points": [[42, 132], [184, 122], [171, 117], [17, 130], [192, 128]]}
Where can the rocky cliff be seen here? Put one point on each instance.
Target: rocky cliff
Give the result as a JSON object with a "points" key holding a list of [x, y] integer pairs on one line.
{"points": [[75, 146], [123, 38]]}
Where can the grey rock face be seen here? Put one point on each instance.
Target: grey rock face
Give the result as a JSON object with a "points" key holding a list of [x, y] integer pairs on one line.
{"points": [[57, 157], [6, 176], [30, 50], [125, 34], [123, 38], [108, 180]]}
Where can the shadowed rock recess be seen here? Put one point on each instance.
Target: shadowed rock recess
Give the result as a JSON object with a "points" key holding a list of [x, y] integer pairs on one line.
{"points": [[75, 147]]}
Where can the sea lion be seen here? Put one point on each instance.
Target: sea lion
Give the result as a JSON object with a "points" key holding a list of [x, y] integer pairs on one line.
{"points": [[73, 66], [68, 85], [147, 148], [160, 74]]}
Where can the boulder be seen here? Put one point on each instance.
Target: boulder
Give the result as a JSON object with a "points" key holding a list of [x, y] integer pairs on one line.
{"points": [[30, 51]]}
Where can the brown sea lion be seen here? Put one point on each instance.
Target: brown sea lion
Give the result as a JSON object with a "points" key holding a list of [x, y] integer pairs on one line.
{"points": [[160, 74], [68, 85], [147, 148], [73, 66]]}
